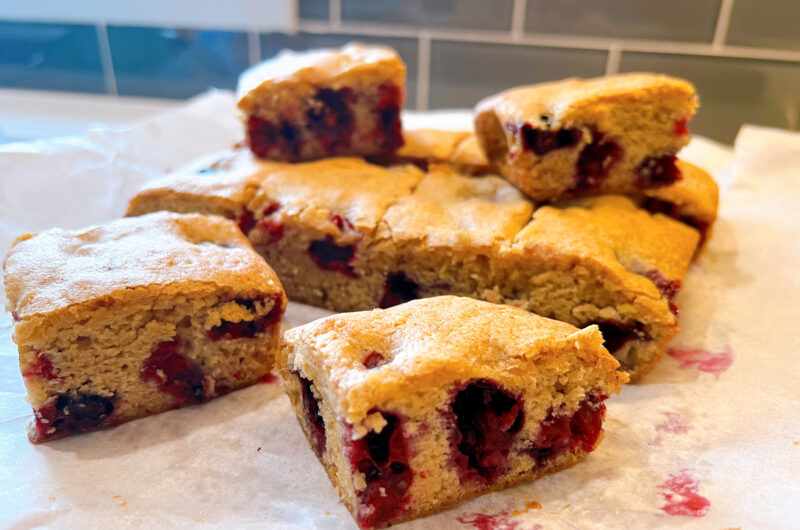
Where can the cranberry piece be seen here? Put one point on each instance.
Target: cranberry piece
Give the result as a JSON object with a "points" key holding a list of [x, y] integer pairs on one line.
{"points": [[616, 334], [316, 425], [560, 432], [594, 163], [332, 257], [42, 367], [342, 223], [332, 120], [668, 288], [658, 171], [670, 209], [174, 373], [390, 99], [383, 459], [246, 221], [681, 127], [374, 359], [487, 421], [398, 289], [15, 316], [265, 137], [72, 412], [273, 228], [246, 328], [542, 141]]}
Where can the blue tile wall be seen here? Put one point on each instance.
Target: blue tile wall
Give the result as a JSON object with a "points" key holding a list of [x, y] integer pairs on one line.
{"points": [[772, 24], [50, 57], [466, 14], [272, 43], [676, 20], [732, 91], [313, 9], [463, 72], [175, 63]]}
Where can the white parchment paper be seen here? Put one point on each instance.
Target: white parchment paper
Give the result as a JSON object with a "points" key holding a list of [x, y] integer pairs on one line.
{"points": [[711, 439]]}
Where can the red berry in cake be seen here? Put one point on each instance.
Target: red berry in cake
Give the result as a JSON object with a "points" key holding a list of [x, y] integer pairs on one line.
{"points": [[245, 328], [681, 127], [174, 373], [594, 163], [330, 118], [660, 171], [71, 413], [390, 100], [669, 288], [617, 334], [542, 141], [313, 418], [342, 223], [42, 366], [398, 289], [374, 359], [246, 221], [487, 420], [560, 432], [382, 458], [332, 257]]}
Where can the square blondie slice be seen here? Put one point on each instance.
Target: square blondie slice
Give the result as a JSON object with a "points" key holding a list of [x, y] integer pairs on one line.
{"points": [[138, 316], [326, 102], [414, 409], [616, 134]]}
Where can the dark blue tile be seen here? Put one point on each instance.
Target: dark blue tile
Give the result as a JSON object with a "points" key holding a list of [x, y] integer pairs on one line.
{"points": [[50, 57], [472, 14], [464, 72], [314, 9], [772, 24], [272, 43], [732, 91], [175, 63], [686, 20]]}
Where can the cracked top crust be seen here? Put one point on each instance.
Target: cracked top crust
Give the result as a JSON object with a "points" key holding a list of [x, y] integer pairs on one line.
{"points": [[577, 100], [219, 184], [350, 187], [433, 342], [352, 65], [455, 211], [609, 233], [132, 259]]}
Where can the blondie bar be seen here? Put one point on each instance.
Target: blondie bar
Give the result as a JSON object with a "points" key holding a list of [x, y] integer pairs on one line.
{"points": [[138, 316], [615, 134], [327, 102], [416, 408]]}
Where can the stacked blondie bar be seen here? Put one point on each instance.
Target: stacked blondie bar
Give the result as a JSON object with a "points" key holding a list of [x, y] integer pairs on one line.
{"points": [[566, 208]]}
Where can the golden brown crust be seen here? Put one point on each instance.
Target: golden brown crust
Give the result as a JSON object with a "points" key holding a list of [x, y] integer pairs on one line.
{"points": [[580, 100], [434, 342], [131, 258], [352, 65]]}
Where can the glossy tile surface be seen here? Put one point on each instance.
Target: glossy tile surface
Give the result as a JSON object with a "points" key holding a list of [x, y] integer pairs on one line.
{"points": [[50, 57], [472, 14], [462, 73], [732, 91], [771, 24], [175, 63]]}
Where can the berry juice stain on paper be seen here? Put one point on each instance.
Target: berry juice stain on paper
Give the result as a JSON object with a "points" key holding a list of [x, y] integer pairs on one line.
{"points": [[674, 424], [499, 521], [703, 360], [680, 492]]}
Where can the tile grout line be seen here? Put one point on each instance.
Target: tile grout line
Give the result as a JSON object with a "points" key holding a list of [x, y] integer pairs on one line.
{"points": [[335, 13], [614, 56], [423, 69], [566, 41], [253, 47], [723, 21], [518, 19], [105, 58]]}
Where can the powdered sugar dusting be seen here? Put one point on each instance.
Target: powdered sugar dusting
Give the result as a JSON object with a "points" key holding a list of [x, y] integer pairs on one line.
{"points": [[682, 497], [703, 360]]}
